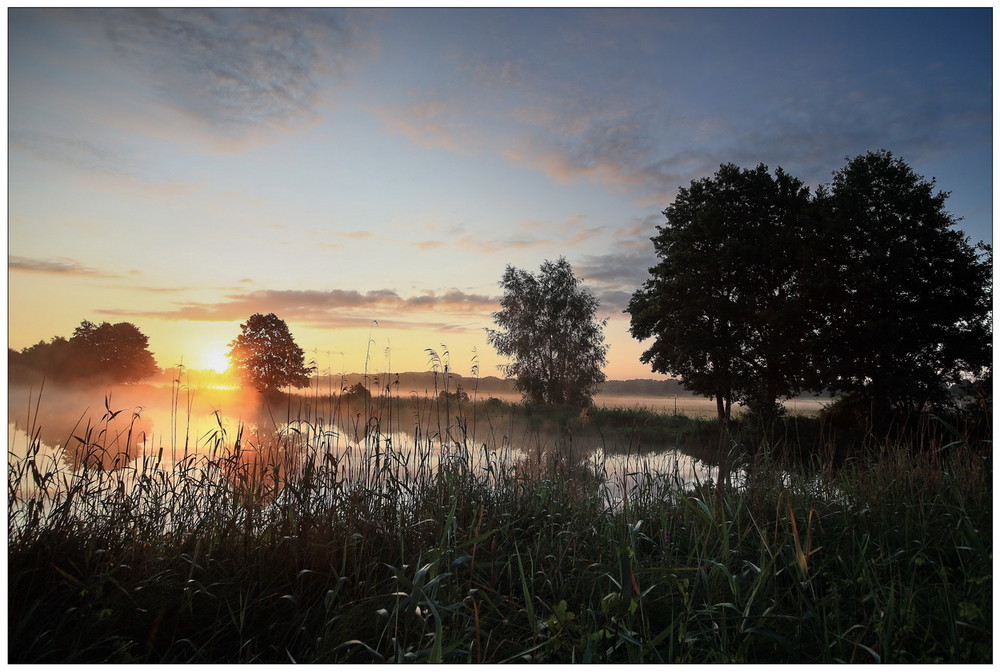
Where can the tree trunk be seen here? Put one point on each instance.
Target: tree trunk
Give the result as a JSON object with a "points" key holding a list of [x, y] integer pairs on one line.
{"points": [[723, 405]]}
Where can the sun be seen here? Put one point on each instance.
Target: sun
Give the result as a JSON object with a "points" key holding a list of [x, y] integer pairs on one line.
{"points": [[216, 360]]}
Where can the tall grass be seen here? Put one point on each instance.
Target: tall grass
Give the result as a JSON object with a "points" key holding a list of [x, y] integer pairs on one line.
{"points": [[336, 536]]}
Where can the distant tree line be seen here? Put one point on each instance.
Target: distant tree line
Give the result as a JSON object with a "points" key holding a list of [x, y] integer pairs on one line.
{"points": [[642, 386], [863, 289], [116, 353]]}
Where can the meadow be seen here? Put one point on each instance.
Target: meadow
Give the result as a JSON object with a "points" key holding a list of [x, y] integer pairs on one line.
{"points": [[326, 527]]}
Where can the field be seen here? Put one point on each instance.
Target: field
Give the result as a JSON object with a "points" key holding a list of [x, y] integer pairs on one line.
{"points": [[325, 528]]}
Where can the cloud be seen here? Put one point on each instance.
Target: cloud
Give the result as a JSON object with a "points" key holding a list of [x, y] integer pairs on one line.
{"points": [[648, 154], [162, 290], [616, 144], [433, 124], [643, 137], [502, 73], [357, 235], [571, 124], [464, 113], [69, 151], [429, 244], [614, 277], [620, 268], [613, 301], [492, 246], [58, 266], [573, 235], [318, 238], [334, 308], [98, 159], [235, 69], [809, 134]]}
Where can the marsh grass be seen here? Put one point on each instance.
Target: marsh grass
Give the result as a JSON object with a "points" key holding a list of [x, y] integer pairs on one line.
{"points": [[479, 535]]}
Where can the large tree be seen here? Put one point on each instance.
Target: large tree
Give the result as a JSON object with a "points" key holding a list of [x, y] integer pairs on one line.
{"points": [[119, 351], [547, 326], [724, 304], [265, 355], [906, 298]]}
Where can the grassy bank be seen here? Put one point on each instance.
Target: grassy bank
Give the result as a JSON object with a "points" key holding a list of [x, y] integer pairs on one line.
{"points": [[311, 545]]}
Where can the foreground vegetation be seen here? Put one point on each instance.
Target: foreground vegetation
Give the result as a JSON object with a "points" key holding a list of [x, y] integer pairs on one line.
{"points": [[324, 541]]}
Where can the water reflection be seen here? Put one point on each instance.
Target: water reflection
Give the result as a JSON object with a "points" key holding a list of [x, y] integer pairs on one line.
{"points": [[177, 433]]}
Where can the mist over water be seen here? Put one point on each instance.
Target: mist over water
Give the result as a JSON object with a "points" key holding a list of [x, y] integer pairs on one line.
{"points": [[114, 427], [125, 418]]}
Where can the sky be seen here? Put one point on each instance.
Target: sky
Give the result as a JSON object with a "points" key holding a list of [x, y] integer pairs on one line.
{"points": [[367, 175]]}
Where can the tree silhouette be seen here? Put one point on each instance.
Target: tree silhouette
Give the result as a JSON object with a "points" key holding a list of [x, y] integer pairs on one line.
{"points": [[906, 298], [106, 352], [724, 304], [265, 355], [865, 290], [547, 326], [118, 351]]}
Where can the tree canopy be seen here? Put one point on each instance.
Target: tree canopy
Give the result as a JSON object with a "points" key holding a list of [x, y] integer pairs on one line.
{"points": [[724, 303], [547, 326], [864, 289], [105, 352], [265, 355], [905, 297]]}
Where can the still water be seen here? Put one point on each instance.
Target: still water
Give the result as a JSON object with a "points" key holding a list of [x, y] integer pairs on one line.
{"points": [[143, 428]]}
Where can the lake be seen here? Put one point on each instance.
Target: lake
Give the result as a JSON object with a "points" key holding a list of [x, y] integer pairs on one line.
{"points": [[124, 426]]}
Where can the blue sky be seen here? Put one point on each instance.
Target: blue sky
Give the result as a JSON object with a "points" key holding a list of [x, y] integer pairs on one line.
{"points": [[183, 169]]}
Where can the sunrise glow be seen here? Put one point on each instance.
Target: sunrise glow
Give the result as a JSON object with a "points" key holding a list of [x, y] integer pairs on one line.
{"points": [[216, 360], [370, 183], [368, 205]]}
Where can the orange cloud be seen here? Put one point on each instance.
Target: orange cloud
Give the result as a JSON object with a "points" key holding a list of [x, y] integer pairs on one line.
{"points": [[334, 308], [431, 125], [429, 244], [571, 226]]}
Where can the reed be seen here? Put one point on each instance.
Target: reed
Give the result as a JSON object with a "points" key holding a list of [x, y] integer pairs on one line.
{"points": [[383, 529]]}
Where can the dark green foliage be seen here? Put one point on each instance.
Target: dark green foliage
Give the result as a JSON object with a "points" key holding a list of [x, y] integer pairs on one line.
{"points": [[547, 326], [906, 300], [115, 353], [724, 305], [866, 290], [266, 357], [288, 548]]}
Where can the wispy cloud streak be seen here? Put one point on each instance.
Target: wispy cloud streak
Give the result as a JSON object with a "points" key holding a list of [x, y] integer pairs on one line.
{"points": [[69, 151], [58, 266]]}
